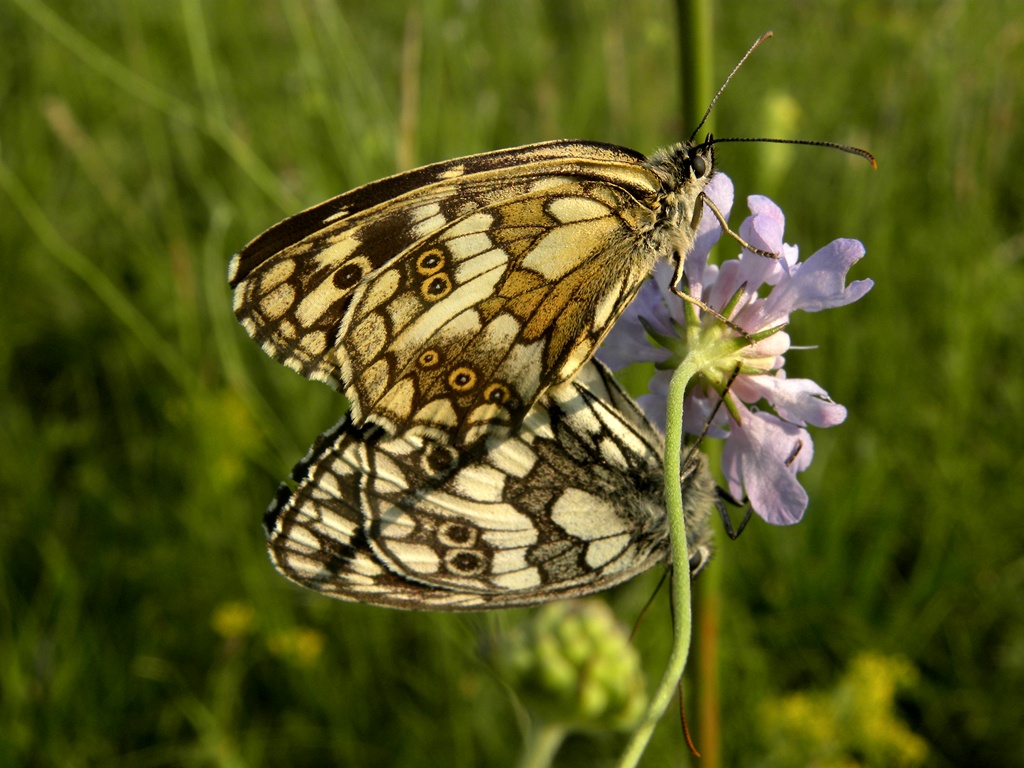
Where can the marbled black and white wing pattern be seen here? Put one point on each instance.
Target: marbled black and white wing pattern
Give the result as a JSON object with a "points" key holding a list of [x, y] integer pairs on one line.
{"points": [[569, 505], [451, 297]]}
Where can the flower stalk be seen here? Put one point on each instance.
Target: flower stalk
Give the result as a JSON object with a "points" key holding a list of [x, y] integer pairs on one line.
{"points": [[713, 353], [735, 353], [681, 597]]}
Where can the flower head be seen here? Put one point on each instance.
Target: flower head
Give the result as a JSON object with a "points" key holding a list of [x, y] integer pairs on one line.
{"points": [[764, 450]]}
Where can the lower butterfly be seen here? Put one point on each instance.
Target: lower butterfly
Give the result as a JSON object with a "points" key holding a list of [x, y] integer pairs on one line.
{"points": [[569, 505]]}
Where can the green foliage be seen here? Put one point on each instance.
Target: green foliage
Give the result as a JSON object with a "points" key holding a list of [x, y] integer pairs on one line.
{"points": [[142, 432]]}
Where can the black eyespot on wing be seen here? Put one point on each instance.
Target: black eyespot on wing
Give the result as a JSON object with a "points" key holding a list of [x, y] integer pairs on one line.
{"points": [[348, 276], [438, 461]]}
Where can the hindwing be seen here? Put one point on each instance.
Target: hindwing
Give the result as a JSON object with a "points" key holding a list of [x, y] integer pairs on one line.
{"points": [[449, 298], [569, 505]]}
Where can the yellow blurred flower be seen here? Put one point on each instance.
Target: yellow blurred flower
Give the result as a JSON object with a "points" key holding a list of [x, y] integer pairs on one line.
{"points": [[855, 725], [233, 620], [301, 646]]}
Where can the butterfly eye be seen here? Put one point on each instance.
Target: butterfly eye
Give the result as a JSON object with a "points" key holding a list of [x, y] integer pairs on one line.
{"points": [[698, 165]]}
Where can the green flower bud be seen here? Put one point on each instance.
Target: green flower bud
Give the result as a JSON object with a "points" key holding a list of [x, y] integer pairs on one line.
{"points": [[572, 664]]}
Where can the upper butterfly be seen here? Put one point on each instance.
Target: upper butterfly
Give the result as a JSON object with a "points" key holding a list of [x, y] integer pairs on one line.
{"points": [[450, 297]]}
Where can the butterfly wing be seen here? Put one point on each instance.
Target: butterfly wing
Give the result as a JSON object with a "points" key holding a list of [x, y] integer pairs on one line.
{"points": [[570, 505], [453, 296]]}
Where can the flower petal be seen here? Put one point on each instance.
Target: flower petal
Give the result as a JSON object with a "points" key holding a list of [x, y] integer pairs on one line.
{"points": [[732, 276], [798, 401], [654, 402], [775, 345], [764, 228], [818, 283], [622, 349], [761, 458]]}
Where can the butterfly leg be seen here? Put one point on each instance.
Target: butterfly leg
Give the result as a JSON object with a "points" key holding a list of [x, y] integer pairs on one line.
{"points": [[735, 236], [724, 497], [678, 276]]}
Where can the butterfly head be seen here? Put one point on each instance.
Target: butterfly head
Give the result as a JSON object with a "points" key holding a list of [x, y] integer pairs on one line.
{"points": [[686, 164], [700, 159], [685, 170]]}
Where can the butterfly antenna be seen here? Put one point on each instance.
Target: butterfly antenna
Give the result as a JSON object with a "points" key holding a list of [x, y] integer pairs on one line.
{"points": [[807, 143], [832, 145], [711, 106]]}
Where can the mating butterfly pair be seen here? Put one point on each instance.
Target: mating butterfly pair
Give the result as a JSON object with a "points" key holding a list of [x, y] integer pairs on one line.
{"points": [[486, 460]]}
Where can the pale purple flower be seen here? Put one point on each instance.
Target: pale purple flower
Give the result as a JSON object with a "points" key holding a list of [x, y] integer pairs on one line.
{"points": [[764, 449]]}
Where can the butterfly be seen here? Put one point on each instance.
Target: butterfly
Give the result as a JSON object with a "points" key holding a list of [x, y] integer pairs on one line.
{"points": [[450, 298], [570, 504]]}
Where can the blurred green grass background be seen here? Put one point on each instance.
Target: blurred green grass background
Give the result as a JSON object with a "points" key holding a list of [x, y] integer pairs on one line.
{"points": [[142, 433]]}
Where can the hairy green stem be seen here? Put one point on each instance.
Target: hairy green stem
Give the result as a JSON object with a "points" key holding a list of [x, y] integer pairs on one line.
{"points": [[691, 364]]}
